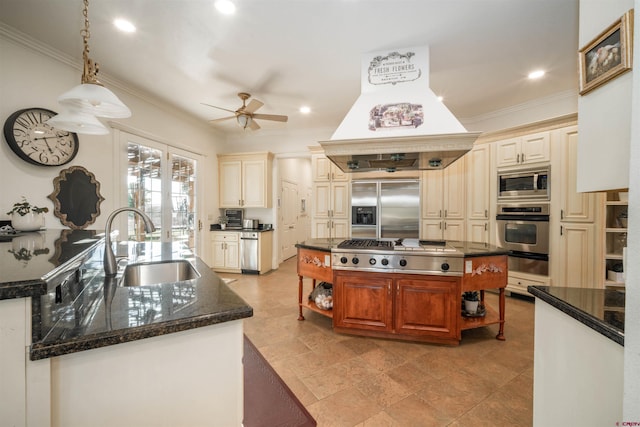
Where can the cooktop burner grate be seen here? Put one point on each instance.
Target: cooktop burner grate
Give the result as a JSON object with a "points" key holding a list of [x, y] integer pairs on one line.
{"points": [[365, 243]]}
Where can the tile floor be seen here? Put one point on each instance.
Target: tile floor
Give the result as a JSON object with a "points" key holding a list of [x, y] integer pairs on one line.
{"points": [[352, 381]]}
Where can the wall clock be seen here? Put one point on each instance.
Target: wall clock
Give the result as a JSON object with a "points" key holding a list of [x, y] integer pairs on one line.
{"points": [[36, 142]]}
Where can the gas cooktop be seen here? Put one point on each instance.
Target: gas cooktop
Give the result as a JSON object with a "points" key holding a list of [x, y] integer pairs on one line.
{"points": [[402, 244]]}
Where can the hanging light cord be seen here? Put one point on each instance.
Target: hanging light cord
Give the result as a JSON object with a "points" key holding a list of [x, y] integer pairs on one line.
{"points": [[90, 71]]}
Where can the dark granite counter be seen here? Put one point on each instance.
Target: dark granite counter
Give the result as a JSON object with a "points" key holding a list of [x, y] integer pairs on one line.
{"points": [[600, 309], [81, 309], [27, 258], [470, 249]]}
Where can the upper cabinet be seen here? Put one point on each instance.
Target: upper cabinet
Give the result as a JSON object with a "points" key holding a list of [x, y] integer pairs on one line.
{"points": [[324, 170], [245, 180], [443, 202], [524, 150], [478, 209]]}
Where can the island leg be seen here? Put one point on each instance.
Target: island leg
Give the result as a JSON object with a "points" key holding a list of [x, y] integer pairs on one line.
{"points": [[300, 282], [500, 335]]}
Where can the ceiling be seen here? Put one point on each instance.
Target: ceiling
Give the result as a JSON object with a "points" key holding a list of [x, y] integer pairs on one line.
{"points": [[289, 53]]}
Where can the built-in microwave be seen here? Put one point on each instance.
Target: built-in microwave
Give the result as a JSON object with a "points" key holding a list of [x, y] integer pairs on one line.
{"points": [[524, 184]]}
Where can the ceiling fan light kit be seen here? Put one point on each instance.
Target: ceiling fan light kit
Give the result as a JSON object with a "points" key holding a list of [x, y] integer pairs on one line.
{"points": [[90, 99]]}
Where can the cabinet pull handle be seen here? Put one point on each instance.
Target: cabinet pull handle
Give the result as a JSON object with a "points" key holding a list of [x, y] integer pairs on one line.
{"points": [[561, 214], [486, 213], [518, 158], [389, 289], [445, 225], [445, 213], [485, 226], [440, 213], [328, 176], [561, 230], [440, 225], [522, 157]]}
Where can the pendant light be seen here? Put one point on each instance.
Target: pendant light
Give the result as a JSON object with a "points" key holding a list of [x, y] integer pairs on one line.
{"points": [[78, 122], [90, 97]]}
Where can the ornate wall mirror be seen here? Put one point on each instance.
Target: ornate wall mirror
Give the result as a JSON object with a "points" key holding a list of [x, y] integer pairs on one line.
{"points": [[76, 197]]}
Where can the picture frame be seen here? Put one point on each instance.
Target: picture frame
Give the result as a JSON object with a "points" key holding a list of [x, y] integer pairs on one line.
{"points": [[608, 55]]}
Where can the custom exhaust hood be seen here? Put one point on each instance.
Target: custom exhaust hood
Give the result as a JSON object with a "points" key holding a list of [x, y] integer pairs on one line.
{"points": [[397, 123]]}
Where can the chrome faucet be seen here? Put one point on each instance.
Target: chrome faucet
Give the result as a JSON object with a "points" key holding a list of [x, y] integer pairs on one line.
{"points": [[110, 264]]}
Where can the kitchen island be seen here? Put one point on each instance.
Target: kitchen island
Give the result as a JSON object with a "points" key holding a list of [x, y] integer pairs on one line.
{"points": [[416, 305], [578, 356], [99, 353]]}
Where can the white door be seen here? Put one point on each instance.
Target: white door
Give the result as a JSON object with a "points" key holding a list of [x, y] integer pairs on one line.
{"points": [[161, 181], [289, 219]]}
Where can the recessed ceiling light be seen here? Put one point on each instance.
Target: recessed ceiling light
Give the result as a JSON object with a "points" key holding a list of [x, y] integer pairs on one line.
{"points": [[536, 74], [124, 25], [226, 7], [440, 98], [305, 110]]}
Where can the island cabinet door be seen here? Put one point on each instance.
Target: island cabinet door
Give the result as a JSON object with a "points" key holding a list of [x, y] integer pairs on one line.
{"points": [[363, 301], [427, 306]]}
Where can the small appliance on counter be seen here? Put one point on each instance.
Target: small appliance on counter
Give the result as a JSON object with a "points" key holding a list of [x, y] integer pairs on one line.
{"points": [[236, 217], [250, 224]]}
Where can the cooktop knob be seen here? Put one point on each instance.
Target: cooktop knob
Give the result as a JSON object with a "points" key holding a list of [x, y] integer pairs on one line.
{"points": [[355, 260], [372, 261], [385, 261], [444, 266], [344, 260], [403, 263]]}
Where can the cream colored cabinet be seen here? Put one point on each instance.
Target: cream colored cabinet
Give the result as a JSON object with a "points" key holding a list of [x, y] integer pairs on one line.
{"points": [[245, 180], [478, 163], [574, 206], [575, 256], [523, 150], [518, 282], [443, 202], [226, 251], [324, 169], [574, 247], [331, 200]]}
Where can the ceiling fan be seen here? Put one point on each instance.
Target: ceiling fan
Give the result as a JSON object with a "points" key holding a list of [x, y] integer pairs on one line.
{"points": [[245, 115]]}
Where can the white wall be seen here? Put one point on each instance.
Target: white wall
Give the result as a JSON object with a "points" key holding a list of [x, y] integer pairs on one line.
{"points": [[604, 114], [31, 78], [631, 408]]}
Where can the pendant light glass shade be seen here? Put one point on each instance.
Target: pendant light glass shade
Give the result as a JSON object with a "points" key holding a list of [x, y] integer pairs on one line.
{"points": [[96, 100], [78, 122]]}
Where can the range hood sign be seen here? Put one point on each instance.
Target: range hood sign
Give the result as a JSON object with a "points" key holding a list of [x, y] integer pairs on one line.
{"points": [[393, 68], [397, 123]]}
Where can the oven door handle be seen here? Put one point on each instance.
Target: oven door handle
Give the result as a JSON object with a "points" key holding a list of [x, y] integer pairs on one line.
{"points": [[529, 255], [514, 217]]}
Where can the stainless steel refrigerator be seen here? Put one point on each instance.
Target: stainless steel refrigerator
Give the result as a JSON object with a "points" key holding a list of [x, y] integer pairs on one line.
{"points": [[385, 209]]}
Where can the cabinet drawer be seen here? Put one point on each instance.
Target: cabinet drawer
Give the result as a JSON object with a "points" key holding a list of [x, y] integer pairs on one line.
{"points": [[225, 237]]}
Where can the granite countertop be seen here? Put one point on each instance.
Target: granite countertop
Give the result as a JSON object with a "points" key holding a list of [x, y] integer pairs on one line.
{"points": [[82, 309], [600, 309], [26, 258], [469, 249]]}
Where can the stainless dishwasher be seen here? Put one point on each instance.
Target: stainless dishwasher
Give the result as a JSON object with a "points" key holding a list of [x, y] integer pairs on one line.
{"points": [[249, 252]]}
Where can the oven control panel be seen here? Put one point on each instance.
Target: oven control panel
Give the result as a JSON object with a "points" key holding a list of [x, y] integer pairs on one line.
{"points": [[394, 262]]}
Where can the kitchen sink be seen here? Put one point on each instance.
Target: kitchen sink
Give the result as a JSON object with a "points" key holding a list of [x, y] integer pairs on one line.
{"points": [[152, 273]]}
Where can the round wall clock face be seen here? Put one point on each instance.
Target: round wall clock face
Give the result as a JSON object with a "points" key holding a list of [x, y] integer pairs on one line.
{"points": [[37, 142]]}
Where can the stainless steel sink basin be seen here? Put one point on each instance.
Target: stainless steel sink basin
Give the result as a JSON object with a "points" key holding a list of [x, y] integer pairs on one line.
{"points": [[152, 273]]}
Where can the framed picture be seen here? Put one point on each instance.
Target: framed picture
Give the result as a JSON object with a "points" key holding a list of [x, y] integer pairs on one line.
{"points": [[608, 55]]}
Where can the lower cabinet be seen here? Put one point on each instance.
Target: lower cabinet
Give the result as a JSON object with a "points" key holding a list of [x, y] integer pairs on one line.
{"points": [[226, 251], [518, 282], [425, 308]]}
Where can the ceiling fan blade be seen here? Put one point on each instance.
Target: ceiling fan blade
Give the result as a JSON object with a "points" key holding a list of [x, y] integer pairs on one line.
{"points": [[253, 125], [254, 104], [219, 108], [223, 119], [274, 117]]}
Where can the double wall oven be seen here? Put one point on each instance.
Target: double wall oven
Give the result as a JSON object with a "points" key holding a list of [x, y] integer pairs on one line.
{"points": [[522, 220]]}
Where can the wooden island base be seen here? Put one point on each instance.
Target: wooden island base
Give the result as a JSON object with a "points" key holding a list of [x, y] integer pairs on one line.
{"points": [[412, 307]]}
